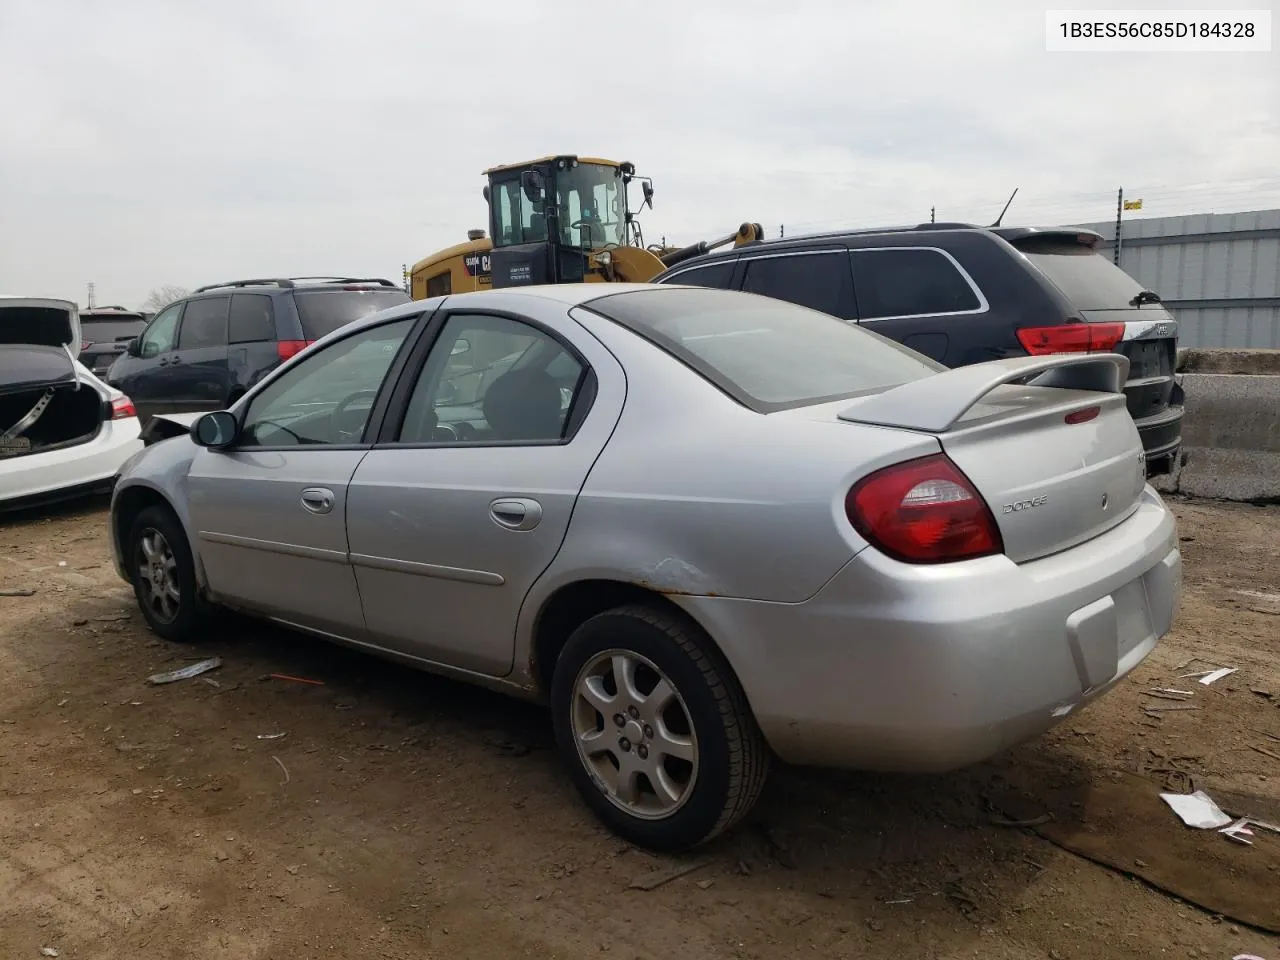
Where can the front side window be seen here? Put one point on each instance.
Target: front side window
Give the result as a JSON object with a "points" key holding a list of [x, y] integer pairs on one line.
{"points": [[493, 380], [204, 324], [910, 283], [327, 397], [161, 334], [821, 281], [713, 275]]}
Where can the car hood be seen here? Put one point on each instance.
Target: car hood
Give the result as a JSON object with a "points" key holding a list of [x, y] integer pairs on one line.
{"points": [[39, 322]]}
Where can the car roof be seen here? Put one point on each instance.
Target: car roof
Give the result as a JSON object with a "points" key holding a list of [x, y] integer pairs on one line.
{"points": [[803, 240]]}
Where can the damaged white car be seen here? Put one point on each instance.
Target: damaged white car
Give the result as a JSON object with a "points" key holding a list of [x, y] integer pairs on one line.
{"points": [[63, 432]]}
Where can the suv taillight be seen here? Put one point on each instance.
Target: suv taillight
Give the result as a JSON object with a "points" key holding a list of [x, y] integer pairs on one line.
{"points": [[923, 511], [288, 348], [1071, 337], [122, 408]]}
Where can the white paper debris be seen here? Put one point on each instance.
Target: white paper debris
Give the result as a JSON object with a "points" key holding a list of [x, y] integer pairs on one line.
{"points": [[48, 952], [186, 673], [1217, 675], [1196, 810]]}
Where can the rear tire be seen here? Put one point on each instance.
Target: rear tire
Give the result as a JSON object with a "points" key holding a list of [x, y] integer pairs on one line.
{"points": [[655, 729], [163, 575]]}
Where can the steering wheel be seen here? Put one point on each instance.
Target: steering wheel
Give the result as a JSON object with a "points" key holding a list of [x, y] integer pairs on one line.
{"points": [[341, 408]]}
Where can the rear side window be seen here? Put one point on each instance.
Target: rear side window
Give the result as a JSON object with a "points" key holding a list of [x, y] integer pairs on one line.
{"points": [[712, 275], [1089, 280], [94, 330], [767, 354], [204, 324], [910, 283], [324, 311], [253, 318], [820, 281]]}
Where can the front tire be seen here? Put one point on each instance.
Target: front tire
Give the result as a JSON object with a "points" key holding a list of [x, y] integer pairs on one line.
{"points": [[655, 729], [163, 575]]}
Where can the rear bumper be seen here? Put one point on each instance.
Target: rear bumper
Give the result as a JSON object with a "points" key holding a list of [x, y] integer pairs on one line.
{"points": [[1161, 438], [897, 667], [70, 472]]}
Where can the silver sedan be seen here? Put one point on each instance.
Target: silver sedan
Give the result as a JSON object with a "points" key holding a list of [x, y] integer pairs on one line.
{"points": [[707, 528]]}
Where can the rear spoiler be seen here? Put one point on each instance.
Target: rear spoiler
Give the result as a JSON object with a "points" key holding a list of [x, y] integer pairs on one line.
{"points": [[934, 404]]}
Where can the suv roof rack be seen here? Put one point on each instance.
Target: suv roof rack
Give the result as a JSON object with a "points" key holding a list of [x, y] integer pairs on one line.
{"points": [[244, 283], [287, 282]]}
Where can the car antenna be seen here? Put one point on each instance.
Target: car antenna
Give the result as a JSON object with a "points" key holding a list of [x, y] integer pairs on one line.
{"points": [[1006, 207]]}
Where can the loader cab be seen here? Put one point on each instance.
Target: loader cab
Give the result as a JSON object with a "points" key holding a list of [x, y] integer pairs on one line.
{"points": [[545, 217]]}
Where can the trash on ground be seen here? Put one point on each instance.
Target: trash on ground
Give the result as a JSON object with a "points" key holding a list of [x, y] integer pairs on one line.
{"points": [[1162, 695], [271, 736], [1217, 675], [285, 676], [284, 768], [1196, 810], [659, 877], [1181, 693], [1265, 752], [21, 592], [48, 952], [1155, 710], [1238, 830], [1029, 822], [186, 673]]}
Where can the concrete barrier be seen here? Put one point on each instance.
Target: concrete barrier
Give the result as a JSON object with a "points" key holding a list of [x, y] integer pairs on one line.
{"points": [[1231, 431]]}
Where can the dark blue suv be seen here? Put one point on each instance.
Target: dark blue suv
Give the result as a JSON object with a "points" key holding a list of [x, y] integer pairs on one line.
{"points": [[203, 351], [963, 294]]}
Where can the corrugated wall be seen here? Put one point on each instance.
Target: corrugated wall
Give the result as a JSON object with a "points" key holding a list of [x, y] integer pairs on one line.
{"points": [[1218, 273]]}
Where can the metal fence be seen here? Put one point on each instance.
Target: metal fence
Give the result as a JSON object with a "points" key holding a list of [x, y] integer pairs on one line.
{"points": [[1219, 274]]}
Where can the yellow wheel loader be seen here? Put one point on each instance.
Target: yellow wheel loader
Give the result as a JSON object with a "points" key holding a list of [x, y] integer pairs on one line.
{"points": [[560, 219]]}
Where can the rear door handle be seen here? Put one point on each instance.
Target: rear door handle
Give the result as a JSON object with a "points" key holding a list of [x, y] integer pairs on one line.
{"points": [[317, 499], [516, 513]]}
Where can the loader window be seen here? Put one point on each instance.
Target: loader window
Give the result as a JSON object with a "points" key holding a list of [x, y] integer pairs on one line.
{"points": [[591, 202], [516, 220]]}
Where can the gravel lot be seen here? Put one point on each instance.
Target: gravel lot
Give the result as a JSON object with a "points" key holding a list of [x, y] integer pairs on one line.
{"points": [[406, 816]]}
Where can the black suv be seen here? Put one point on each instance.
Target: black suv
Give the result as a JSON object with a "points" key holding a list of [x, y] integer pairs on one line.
{"points": [[104, 334], [203, 351], [963, 294]]}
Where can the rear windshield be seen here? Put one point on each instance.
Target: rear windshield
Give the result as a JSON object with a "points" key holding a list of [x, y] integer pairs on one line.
{"points": [[768, 354], [95, 330], [1090, 280], [324, 311]]}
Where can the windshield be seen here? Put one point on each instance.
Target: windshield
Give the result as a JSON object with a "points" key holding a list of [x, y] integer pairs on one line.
{"points": [[592, 206], [1090, 280], [323, 311], [767, 354]]}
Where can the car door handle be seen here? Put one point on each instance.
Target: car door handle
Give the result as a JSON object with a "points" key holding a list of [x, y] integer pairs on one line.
{"points": [[516, 513], [317, 499]]}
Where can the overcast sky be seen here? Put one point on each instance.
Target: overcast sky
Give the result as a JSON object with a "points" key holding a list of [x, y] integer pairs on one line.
{"points": [[145, 142]]}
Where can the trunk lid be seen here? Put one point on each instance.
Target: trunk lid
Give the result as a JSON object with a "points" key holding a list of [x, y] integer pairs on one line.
{"points": [[39, 322], [1046, 441]]}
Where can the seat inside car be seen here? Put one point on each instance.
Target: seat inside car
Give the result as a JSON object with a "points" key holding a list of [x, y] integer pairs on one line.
{"points": [[523, 405]]}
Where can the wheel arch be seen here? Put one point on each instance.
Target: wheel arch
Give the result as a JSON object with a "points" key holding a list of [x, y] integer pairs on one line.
{"points": [[572, 604], [128, 503]]}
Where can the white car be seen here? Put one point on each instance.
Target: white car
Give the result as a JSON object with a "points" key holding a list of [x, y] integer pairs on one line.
{"points": [[63, 432]]}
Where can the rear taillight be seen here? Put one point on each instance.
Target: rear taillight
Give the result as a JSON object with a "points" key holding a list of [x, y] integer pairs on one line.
{"points": [[923, 511], [289, 348], [122, 408], [1071, 337]]}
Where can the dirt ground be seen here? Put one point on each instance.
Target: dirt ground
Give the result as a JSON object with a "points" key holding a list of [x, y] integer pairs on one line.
{"points": [[406, 816]]}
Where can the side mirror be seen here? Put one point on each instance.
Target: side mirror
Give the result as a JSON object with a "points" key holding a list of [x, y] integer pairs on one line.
{"points": [[647, 189], [134, 347], [215, 430], [485, 192], [531, 184], [460, 346]]}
